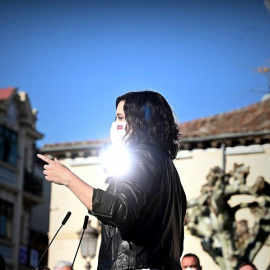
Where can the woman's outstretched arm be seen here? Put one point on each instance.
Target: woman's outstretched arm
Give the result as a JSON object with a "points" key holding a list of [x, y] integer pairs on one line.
{"points": [[58, 173]]}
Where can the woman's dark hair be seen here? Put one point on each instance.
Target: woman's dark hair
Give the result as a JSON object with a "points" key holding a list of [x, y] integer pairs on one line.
{"points": [[151, 121]]}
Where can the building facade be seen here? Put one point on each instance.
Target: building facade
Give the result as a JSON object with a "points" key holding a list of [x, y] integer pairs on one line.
{"points": [[240, 136], [23, 193]]}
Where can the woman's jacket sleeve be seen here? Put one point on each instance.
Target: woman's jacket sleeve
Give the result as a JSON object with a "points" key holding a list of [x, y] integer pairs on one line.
{"points": [[122, 207]]}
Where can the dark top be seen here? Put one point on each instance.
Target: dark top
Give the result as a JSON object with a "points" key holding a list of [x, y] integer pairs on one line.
{"points": [[142, 214]]}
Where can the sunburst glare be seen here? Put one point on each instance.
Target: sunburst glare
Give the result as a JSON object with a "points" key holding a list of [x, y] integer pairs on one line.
{"points": [[115, 159]]}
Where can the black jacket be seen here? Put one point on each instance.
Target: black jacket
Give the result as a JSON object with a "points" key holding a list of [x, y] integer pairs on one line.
{"points": [[142, 214]]}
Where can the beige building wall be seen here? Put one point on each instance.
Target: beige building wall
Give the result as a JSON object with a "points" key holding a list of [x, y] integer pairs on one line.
{"points": [[62, 200], [193, 166]]}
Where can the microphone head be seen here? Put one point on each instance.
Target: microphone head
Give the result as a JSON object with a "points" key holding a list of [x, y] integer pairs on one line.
{"points": [[66, 218], [86, 218]]}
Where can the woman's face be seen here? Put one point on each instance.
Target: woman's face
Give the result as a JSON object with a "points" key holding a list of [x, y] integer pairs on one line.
{"points": [[120, 115]]}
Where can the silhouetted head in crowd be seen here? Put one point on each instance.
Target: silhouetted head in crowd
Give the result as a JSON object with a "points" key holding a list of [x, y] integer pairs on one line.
{"points": [[63, 265], [190, 261], [247, 266]]}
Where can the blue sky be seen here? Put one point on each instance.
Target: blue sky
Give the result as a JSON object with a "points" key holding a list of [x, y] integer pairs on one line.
{"points": [[73, 58]]}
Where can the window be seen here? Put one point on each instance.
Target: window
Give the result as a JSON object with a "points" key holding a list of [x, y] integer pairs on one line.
{"points": [[6, 216], [8, 145]]}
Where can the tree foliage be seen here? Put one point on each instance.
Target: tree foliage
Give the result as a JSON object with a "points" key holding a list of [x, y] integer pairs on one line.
{"points": [[212, 218]]}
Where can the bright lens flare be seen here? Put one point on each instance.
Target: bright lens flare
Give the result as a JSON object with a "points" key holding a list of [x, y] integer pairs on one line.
{"points": [[115, 160]]}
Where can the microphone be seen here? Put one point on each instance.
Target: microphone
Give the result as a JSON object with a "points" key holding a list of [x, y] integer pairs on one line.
{"points": [[86, 218], [63, 223], [66, 218]]}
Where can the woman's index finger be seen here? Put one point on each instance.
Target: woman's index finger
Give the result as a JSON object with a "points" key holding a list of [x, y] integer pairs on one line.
{"points": [[44, 158]]}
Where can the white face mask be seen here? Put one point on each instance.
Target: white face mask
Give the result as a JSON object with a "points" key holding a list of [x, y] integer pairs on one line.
{"points": [[118, 132]]}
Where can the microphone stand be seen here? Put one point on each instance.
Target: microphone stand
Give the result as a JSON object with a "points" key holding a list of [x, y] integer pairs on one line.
{"points": [[86, 218], [63, 223]]}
